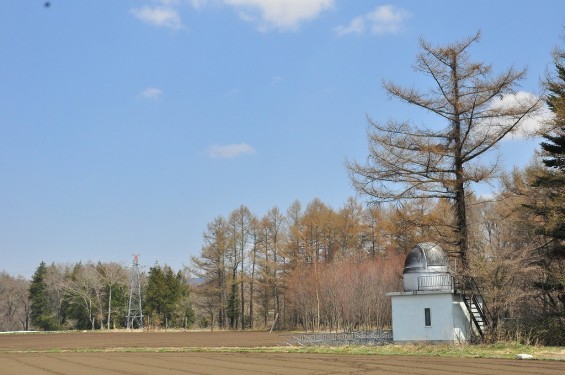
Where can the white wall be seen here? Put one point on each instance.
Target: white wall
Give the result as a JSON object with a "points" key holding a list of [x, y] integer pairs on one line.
{"points": [[448, 320]]}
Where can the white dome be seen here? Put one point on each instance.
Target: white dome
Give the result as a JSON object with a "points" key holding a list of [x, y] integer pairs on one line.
{"points": [[426, 256], [427, 268]]}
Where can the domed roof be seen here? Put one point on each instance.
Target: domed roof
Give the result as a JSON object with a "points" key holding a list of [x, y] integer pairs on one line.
{"points": [[425, 255]]}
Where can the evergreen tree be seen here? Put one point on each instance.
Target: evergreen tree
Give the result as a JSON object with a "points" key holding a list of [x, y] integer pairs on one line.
{"points": [[552, 179], [233, 307], [163, 294], [548, 205], [40, 314]]}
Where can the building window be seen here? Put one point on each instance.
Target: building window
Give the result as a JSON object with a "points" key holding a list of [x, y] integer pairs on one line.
{"points": [[428, 317]]}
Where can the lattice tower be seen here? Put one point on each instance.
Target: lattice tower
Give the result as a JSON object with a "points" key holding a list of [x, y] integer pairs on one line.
{"points": [[135, 313]]}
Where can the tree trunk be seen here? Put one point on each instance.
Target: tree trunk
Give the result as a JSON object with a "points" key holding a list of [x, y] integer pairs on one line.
{"points": [[109, 306], [242, 294], [460, 212], [461, 217], [251, 289]]}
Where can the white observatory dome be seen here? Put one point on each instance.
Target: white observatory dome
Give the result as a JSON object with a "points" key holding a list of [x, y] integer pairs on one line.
{"points": [[427, 268]]}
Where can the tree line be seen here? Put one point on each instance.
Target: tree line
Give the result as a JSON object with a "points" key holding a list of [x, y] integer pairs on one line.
{"points": [[92, 296], [286, 270]]}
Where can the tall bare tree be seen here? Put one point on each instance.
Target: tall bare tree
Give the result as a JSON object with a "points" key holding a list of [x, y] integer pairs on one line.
{"points": [[86, 286], [112, 275], [241, 220], [349, 229], [255, 239], [275, 225], [211, 267], [57, 278], [477, 109]]}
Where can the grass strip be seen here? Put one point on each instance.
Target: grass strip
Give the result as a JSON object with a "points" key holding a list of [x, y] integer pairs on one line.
{"points": [[504, 350]]}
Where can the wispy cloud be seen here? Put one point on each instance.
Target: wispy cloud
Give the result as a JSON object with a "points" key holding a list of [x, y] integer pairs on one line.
{"points": [[198, 4], [384, 19], [356, 26], [159, 16], [230, 151], [168, 2], [281, 15], [151, 93], [531, 125]]}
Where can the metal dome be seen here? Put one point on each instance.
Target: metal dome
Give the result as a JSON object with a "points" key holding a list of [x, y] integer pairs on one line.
{"points": [[426, 256], [427, 268]]}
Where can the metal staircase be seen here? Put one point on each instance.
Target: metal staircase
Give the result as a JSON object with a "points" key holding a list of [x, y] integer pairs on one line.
{"points": [[473, 300]]}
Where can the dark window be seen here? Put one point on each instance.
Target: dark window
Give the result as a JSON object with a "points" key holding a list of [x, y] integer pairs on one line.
{"points": [[428, 316]]}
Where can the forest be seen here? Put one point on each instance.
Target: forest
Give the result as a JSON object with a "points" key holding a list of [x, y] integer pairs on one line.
{"points": [[313, 267]]}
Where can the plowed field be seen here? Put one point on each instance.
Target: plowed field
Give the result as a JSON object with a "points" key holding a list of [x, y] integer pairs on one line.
{"points": [[99, 354]]}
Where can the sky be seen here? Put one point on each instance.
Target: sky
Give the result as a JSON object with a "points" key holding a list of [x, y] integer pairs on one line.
{"points": [[127, 126]]}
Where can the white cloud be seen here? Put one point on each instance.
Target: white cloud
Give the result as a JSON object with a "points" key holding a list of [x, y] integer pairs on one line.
{"points": [[160, 16], [531, 125], [151, 93], [168, 2], [384, 19], [356, 26], [198, 4], [280, 14], [387, 19], [230, 151]]}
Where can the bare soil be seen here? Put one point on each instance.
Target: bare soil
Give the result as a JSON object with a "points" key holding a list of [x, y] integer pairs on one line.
{"points": [[136, 339], [17, 356]]}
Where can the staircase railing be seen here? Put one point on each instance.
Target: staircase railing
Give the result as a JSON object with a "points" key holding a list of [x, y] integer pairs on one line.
{"points": [[472, 297], [474, 307], [484, 309]]}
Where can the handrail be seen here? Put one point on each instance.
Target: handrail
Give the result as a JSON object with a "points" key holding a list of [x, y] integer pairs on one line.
{"points": [[439, 281], [467, 285], [468, 304], [487, 317], [480, 309]]}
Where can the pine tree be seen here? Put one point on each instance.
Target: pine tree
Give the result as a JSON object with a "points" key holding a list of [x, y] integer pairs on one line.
{"points": [[163, 294], [552, 179], [233, 306], [548, 207], [40, 313]]}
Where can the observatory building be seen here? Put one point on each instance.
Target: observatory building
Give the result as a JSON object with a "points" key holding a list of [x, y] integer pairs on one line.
{"points": [[434, 307]]}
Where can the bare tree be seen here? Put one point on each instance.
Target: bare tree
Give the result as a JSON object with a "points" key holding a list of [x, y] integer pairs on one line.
{"points": [[211, 267], [478, 109], [349, 229], [112, 275], [57, 279], [206, 299], [241, 220], [14, 304], [86, 286], [274, 223], [255, 239]]}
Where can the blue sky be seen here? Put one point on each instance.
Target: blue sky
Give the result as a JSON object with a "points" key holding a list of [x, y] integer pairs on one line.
{"points": [[127, 126]]}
